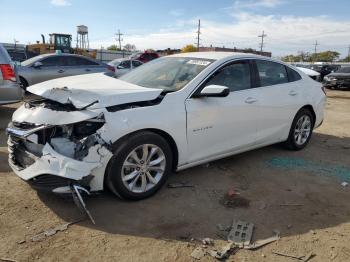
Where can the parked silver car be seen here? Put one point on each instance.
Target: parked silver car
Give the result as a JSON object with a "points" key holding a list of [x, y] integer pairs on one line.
{"points": [[124, 65], [10, 90], [49, 66]]}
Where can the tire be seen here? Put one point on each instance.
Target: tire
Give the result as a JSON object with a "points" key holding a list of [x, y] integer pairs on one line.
{"points": [[127, 172], [298, 138]]}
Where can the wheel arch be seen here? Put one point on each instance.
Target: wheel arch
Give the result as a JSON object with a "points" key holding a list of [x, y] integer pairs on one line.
{"points": [[162, 133], [311, 109]]}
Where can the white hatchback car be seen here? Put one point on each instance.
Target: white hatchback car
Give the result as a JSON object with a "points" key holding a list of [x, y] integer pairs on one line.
{"points": [[175, 112]]}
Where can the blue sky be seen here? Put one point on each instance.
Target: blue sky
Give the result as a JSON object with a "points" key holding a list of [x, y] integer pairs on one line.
{"points": [[291, 25]]}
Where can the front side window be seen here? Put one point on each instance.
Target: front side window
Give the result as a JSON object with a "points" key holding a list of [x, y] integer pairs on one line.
{"points": [[168, 73], [235, 76], [271, 73], [53, 61]]}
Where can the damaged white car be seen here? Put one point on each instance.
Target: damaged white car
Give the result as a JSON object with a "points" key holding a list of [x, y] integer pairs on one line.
{"points": [[175, 112]]}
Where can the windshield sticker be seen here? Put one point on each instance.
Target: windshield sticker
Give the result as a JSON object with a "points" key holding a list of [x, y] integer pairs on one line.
{"points": [[198, 62]]}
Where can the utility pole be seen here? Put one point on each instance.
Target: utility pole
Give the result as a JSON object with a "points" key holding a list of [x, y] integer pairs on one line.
{"points": [[119, 39], [316, 44], [349, 53], [16, 41], [198, 34], [263, 35]]}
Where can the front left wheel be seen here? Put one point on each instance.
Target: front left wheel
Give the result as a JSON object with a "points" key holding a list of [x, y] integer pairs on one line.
{"points": [[140, 166]]}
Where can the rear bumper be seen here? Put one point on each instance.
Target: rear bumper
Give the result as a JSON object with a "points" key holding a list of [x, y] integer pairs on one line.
{"points": [[10, 92]]}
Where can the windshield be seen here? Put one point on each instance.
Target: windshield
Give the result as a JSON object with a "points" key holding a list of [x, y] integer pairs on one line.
{"points": [[167, 73], [30, 60], [344, 70]]}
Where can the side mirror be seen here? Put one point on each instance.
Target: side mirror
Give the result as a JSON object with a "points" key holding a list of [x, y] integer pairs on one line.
{"points": [[214, 91], [37, 64]]}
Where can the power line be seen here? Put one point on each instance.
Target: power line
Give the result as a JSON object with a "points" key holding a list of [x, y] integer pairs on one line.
{"points": [[263, 35], [198, 34], [119, 39]]}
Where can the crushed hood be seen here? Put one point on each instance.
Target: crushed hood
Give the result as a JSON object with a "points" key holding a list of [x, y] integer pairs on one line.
{"points": [[97, 90]]}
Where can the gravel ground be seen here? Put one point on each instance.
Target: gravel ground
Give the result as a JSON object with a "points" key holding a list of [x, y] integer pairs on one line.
{"points": [[297, 193]]}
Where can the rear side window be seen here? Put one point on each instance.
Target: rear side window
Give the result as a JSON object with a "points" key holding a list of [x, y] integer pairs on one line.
{"points": [[234, 76], [292, 75], [271, 73], [79, 61]]}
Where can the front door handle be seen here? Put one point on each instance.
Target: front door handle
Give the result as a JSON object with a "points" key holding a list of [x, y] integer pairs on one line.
{"points": [[250, 100], [60, 71], [293, 93]]}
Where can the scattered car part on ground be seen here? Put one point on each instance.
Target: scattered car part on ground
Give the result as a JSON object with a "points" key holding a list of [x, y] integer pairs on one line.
{"points": [[241, 233], [179, 185], [50, 66], [79, 201], [303, 258], [339, 79], [52, 231], [10, 91], [129, 134], [124, 65]]}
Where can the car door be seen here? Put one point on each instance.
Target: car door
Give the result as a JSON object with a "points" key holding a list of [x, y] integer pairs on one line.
{"points": [[279, 101], [52, 67], [81, 65], [219, 125]]}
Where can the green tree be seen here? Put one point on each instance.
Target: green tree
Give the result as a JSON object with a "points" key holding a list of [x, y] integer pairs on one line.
{"points": [[113, 48], [327, 56], [188, 48]]}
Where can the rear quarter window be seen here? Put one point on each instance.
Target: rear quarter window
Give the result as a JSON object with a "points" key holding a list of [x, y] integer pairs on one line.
{"points": [[292, 74]]}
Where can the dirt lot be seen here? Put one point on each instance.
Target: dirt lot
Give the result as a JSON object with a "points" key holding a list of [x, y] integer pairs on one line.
{"points": [[297, 193]]}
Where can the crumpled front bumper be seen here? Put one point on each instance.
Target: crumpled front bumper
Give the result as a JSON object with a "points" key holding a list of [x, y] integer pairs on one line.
{"points": [[42, 165]]}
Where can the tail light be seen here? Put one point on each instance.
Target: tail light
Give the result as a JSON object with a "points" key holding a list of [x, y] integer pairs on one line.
{"points": [[111, 68], [7, 72], [324, 90]]}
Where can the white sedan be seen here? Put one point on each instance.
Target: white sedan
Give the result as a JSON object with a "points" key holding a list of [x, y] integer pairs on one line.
{"points": [[173, 113]]}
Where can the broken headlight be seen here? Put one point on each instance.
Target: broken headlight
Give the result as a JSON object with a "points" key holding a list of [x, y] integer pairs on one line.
{"points": [[88, 127]]}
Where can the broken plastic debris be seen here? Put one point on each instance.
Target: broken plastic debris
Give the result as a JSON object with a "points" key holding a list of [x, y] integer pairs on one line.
{"points": [[208, 241], [241, 233], [52, 231], [259, 243], [78, 200], [224, 252], [345, 184]]}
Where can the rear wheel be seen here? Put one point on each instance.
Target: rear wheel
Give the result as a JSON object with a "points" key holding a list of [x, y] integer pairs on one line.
{"points": [[301, 130], [140, 166]]}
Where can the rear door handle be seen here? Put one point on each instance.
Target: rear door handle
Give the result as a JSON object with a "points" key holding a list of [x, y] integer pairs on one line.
{"points": [[61, 71], [293, 93], [250, 100], [87, 70]]}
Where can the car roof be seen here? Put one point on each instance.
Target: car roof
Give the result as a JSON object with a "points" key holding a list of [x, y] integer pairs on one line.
{"points": [[215, 55]]}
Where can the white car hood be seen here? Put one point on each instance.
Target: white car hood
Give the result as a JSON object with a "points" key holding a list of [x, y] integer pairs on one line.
{"points": [[96, 90]]}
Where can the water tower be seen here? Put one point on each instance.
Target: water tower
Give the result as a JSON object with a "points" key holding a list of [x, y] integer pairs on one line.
{"points": [[82, 37]]}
